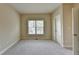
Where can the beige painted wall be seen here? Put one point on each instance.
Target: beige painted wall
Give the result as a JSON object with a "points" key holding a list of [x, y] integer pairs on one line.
{"points": [[9, 26], [67, 25], [58, 11], [76, 5], [65, 10], [24, 26]]}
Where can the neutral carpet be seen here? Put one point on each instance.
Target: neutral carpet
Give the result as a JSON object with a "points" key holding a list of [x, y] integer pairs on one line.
{"points": [[37, 47]]}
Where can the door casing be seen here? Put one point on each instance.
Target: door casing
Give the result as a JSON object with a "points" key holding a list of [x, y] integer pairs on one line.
{"points": [[75, 30]]}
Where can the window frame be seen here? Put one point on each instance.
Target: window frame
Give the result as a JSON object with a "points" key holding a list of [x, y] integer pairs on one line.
{"points": [[35, 28]]}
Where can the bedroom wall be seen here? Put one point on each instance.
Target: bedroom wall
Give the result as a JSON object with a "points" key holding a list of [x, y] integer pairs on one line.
{"points": [[65, 10], [9, 27], [67, 24], [24, 26], [57, 11]]}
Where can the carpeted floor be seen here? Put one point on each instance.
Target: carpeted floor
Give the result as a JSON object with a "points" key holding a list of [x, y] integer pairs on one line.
{"points": [[37, 47]]}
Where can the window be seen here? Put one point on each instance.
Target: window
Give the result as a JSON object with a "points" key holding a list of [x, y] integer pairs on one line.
{"points": [[35, 27], [31, 27]]}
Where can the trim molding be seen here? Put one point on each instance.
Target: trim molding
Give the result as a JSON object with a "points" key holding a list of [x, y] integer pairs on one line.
{"points": [[4, 50], [68, 47]]}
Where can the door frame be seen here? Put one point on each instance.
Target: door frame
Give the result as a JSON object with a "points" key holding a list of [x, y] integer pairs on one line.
{"points": [[75, 30]]}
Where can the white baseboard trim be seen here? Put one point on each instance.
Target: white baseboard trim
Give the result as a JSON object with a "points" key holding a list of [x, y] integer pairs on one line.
{"points": [[67, 46], [4, 50]]}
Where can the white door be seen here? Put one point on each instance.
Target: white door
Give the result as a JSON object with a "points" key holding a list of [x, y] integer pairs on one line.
{"points": [[58, 29], [75, 30]]}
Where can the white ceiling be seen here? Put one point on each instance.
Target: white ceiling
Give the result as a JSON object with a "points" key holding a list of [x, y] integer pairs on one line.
{"points": [[34, 7]]}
